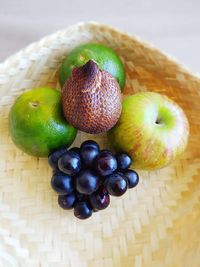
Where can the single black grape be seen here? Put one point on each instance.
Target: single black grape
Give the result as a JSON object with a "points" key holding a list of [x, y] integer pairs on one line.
{"points": [[90, 143], [132, 178], [88, 155], [105, 163], [82, 210], [116, 184], [124, 161], [54, 157], [100, 199], [70, 163], [67, 201], [62, 183], [87, 182]]}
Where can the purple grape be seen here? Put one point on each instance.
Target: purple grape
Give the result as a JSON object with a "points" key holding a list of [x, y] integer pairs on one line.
{"points": [[82, 210], [88, 155], [87, 182], [54, 157], [124, 161], [132, 178], [67, 201], [100, 199], [62, 183], [105, 163], [116, 184], [90, 143], [70, 163]]}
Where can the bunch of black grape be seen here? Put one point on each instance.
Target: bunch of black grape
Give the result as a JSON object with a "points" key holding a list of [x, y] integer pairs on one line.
{"points": [[85, 177]]}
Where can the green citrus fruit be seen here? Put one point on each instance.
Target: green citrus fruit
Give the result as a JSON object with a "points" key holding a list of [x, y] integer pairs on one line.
{"points": [[104, 56], [36, 122]]}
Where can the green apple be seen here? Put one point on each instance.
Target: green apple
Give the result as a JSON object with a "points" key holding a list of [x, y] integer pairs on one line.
{"points": [[152, 129]]}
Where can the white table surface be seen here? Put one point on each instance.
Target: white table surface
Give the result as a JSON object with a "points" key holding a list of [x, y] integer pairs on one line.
{"points": [[171, 25]]}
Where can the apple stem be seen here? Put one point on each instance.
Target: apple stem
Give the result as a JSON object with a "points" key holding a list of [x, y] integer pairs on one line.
{"points": [[158, 121]]}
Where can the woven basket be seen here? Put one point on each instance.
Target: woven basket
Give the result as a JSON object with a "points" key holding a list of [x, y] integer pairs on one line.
{"points": [[155, 225]]}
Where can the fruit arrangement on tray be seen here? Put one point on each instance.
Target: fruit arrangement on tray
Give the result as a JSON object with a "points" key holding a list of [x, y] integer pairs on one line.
{"points": [[147, 130]]}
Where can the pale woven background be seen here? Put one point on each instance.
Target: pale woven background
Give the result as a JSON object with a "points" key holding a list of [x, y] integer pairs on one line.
{"points": [[173, 25]]}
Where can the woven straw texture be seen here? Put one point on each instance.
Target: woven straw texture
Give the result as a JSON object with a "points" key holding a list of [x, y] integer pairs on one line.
{"points": [[155, 225]]}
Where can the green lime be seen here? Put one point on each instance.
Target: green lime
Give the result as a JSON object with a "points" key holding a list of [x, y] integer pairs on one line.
{"points": [[105, 57], [36, 122]]}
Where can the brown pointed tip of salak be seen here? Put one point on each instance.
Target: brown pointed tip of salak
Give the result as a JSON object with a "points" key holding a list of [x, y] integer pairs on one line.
{"points": [[91, 99], [90, 69]]}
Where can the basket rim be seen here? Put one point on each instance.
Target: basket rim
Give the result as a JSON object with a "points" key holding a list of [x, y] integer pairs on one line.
{"points": [[88, 24]]}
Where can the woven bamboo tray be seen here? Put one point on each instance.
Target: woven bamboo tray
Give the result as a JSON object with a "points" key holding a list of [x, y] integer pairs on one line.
{"points": [[155, 225]]}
